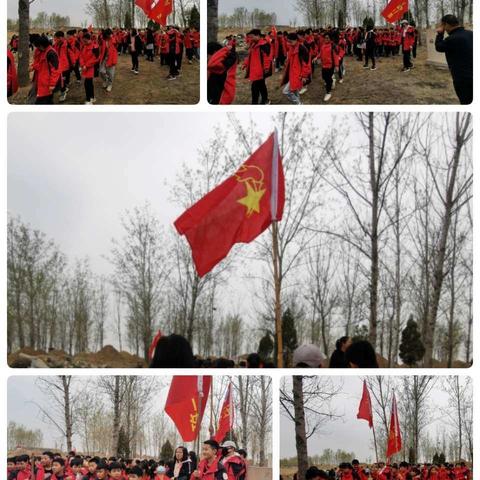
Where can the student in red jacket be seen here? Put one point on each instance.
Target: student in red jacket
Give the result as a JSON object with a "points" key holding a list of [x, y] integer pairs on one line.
{"points": [[210, 467], [88, 59], [297, 70], [258, 66], [46, 73], [73, 50], [12, 77], [408, 40], [196, 43], [329, 59], [61, 47], [222, 73], [233, 462], [108, 59]]}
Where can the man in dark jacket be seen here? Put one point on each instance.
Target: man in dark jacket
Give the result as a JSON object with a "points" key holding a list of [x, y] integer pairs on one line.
{"points": [[458, 49]]}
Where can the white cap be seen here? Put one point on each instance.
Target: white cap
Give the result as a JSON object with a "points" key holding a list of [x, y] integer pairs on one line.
{"points": [[229, 444], [308, 354]]}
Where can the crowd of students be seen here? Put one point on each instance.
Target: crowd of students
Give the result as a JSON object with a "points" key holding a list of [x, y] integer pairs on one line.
{"points": [[394, 471], [297, 54], [218, 462], [89, 55], [175, 351]]}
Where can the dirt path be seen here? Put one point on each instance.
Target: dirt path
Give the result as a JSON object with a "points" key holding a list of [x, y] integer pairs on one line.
{"points": [[150, 87], [424, 85]]}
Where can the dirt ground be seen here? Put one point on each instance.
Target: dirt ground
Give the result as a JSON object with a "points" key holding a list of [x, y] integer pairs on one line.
{"points": [[150, 87], [424, 85]]}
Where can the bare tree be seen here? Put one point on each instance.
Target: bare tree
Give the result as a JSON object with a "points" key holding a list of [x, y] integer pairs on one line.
{"points": [[61, 412], [140, 273]]}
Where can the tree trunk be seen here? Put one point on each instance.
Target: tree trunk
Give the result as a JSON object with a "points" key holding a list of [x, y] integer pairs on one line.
{"points": [[67, 412], [23, 42], [300, 428], [212, 16], [374, 269], [116, 415]]}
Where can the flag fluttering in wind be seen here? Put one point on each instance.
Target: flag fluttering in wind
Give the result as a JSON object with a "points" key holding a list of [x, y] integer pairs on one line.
{"points": [[394, 444], [365, 407], [395, 10], [227, 414], [238, 210], [156, 10], [186, 402]]}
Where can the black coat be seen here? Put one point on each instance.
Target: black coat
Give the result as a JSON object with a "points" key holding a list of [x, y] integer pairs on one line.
{"points": [[458, 49], [338, 360]]}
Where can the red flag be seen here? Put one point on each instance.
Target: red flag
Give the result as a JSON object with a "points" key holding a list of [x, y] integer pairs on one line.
{"points": [[161, 9], [394, 437], [186, 402], [153, 345], [145, 5], [238, 210], [226, 417], [395, 10], [365, 407]]}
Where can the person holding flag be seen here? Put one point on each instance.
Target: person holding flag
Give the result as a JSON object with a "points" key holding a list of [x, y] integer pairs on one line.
{"points": [[210, 467]]}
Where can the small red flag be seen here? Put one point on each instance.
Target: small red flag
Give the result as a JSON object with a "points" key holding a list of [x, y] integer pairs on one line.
{"points": [[365, 407], [225, 422], [394, 444], [186, 402], [238, 210], [395, 10]]}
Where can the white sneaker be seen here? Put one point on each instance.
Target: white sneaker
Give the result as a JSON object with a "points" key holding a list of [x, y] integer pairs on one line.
{"points": [[93, 100], [135, 72], [303, 90], [88, 103], [327, 97], [341, 80], [109, 88]]}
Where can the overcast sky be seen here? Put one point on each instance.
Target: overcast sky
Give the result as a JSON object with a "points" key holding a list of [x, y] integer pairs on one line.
{"points": [[73, 175], [349, 433], [24, 395], [285, 9], [75, 9]]}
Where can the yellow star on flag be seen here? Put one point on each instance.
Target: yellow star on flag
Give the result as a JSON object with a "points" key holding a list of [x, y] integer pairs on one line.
{"points": [[252, 199]]}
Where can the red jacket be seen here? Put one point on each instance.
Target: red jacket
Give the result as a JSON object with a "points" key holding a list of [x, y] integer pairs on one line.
{"points": [[217, 66], [258, 61], [60, 47], [46, 72], [73, 50], [328, 56], [109, 47], [88, 59], [297, 67], [215, 471], [235, 467], [196, 39], [188, 40], [408, 38], [12, 77]]}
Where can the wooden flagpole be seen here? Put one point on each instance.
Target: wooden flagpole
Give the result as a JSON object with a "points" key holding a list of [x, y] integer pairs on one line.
{"points": [[375, 441], [276, 258], [278, 310]]}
